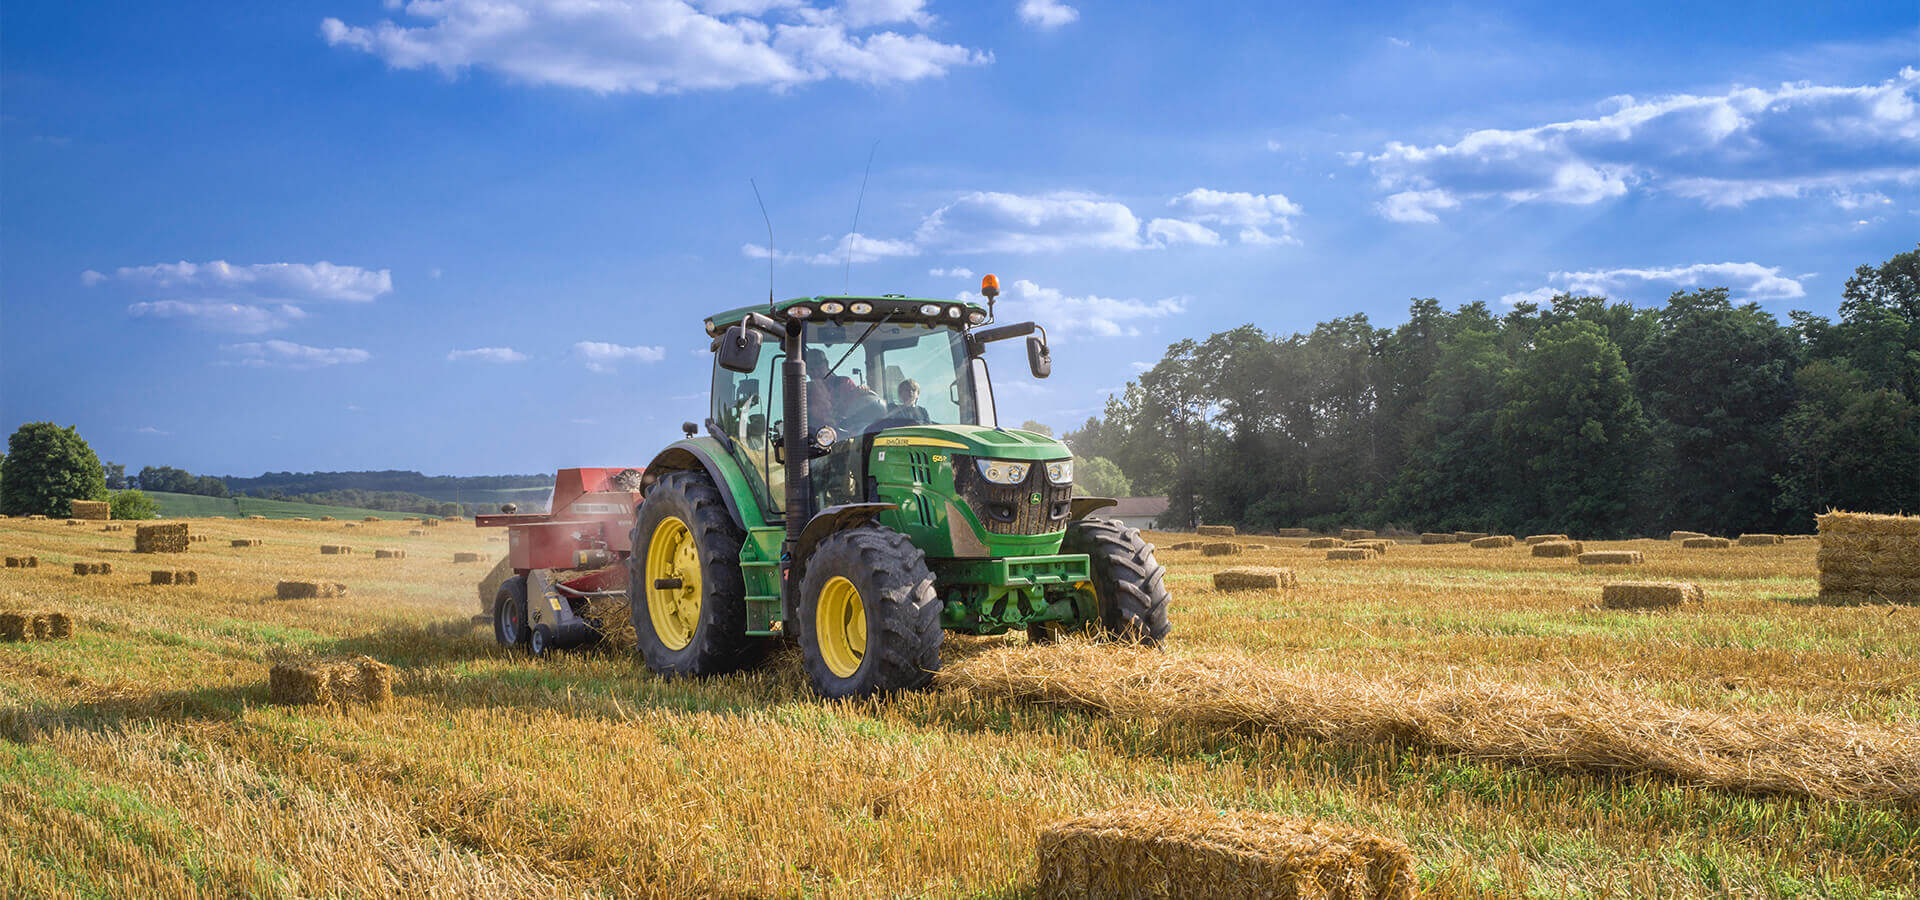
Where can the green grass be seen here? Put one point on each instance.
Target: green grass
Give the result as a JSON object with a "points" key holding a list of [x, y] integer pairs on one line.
{"points": [[194, 506]]}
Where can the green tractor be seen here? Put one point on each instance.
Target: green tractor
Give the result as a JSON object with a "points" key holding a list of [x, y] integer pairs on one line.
{"points": [[854, 492]]}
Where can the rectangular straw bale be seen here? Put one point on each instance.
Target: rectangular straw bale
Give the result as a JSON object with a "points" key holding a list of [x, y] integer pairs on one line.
{"points": [[38, 628], [335, 550], [113, 527], [59, 625], [1649, 594], [416, 532], [1292, 532], [35, 517], [1557, 549], [370, 519], [14, 627], [1214, 531], [1533, 539], [301, 590], [1141, 850], [247, 542], [1684, 535], [92, 509], [1350, 553], [1186, 545], [1250, 546], [1436, 537], [1869, 558], [1706, 543], [83, 568], [1611, 558], [322, 518], [1468, 537], [1324, 543], [166, 537], [1378, 546], [1357, 534], [256, 518], [1761, 540], [13, 562], [389, 554], [160, 576], [1255, 578], [1219, 548], [1492, 542]]}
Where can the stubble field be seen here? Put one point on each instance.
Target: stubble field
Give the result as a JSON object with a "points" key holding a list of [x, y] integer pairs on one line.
{"points": [[141, 756]]}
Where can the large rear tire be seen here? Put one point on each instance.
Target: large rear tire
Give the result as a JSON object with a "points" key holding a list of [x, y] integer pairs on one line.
{"points": [[1129, 585], [510, 613], [869, 619], [688, 598]]}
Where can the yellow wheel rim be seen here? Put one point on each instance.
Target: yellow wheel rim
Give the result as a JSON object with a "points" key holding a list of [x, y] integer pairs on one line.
{"points": [[674, 611], [840, 622]]}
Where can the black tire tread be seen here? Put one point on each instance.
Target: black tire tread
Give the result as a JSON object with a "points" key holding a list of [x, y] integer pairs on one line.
{"points": [[720, 643], [883, 561], [1129, 582], [512, 590]]}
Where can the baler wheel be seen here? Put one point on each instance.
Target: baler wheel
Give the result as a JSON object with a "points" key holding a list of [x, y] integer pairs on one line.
{"points": [[1128, 583], [869, 619], [688, 597], [510, 613]]}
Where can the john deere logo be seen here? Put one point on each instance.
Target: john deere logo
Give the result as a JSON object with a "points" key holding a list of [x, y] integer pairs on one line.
{"points": [[1034, 498]]}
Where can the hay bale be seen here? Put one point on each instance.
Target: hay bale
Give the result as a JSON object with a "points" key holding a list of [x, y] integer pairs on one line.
{"points": [[416, 532], [71, 522], [490, 585], [1324, 543], [1706, 543], [1219, 548], [167, 537], [1685, 535], [371, 519], [1357, 534], [37, 627], [389, 554], [256, 518], [1533, 539], [198, 538], [1492, 542], [1253, 546], [14, 627], [161, 576], [59, 626], [1557, 549], [92, 509], [430, 523], [83, 568], [1468, 537], [1435, 537], [1255, 578], [373, 681], [1378, 546], [13, 562], [1202, 854], [36, 517], [1611, 558], [30, 562], [1350, 553], [304, 590], [247, 542], [1214, 531], [113, 527], [1866, 558], [1649, 594], [1293, 532], [1186, 545], [1761, 540], [335, 550]]}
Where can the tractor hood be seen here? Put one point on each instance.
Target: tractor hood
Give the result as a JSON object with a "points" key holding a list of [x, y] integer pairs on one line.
{"points": [[975, 440]]}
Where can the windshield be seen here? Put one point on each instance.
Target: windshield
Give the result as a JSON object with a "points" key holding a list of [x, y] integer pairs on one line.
{"points": [[902, 373]]}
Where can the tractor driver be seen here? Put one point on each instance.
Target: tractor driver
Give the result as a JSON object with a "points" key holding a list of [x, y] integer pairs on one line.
{"points": [[909, 408], [836, 399]]}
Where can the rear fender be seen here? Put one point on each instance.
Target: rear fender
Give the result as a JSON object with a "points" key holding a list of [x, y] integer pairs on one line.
{"points": [[834, 519], [1082, 507], [704, 454]]}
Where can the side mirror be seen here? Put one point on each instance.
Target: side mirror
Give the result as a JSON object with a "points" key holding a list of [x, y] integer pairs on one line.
{"points": [[1039, 358], [739, 349]]}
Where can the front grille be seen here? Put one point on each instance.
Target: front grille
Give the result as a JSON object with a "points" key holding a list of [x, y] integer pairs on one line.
{"points": [[1009, 508]]}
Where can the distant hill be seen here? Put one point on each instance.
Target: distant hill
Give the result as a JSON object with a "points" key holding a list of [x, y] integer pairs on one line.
{"points": [[479, 490], [195, 506]]}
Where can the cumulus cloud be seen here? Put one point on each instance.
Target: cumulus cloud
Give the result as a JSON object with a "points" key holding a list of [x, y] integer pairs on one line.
{"points": [[293, 356], [604, 357], [237, 318], [487, 355], [298, 282], [1089, 314], [865, 250], [1046, 14], [1538, 296], [1258, 216], [997, 222], [1723, 150], [1173, 232], [955, 272], [660, 46], [1744, 280]]}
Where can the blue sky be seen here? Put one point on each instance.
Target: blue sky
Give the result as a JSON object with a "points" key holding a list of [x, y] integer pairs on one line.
{"points": [[479, 237]]}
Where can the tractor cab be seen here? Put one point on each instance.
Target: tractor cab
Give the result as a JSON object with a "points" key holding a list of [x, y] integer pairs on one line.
{"points": [[853, 490]]}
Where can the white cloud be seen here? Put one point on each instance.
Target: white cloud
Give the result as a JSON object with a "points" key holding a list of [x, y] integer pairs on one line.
{"points": [[1174, 232], [274, 282], [1047, 13], [487, 355], [660, 46], [149, 429], [1722, 150], [604, 357], [1415, 206], [994, 222], [1255, 214], [291, 355], [955, 272], [1538, 296], [238, 318], [1399, 42], [1095, 315], [1746, 280], [865, 250]]}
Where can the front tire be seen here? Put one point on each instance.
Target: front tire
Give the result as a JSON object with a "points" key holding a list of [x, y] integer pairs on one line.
{"points": [[1129, 585], [510, 613], [688, 597], [869, 619]]}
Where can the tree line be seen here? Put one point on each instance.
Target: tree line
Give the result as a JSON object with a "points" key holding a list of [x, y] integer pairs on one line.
{"points": [[1585, 416]]}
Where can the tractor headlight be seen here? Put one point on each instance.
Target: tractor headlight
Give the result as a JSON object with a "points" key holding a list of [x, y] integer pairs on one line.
{"points": [[831, 307], [1060, 472], [1000, 471]]}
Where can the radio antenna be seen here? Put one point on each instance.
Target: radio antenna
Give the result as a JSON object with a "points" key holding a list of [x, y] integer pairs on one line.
{"points": [[763, 215], [853, 234]]}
